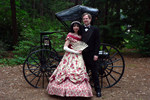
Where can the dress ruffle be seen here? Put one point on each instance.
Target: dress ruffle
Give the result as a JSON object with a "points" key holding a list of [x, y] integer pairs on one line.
{"points": [[69, 89]]}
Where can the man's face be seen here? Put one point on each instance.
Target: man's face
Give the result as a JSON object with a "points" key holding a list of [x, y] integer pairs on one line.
{"points": [[86, 20]]}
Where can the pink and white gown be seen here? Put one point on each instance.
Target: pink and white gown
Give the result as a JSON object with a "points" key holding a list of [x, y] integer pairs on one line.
{"points": [[70, 77]]}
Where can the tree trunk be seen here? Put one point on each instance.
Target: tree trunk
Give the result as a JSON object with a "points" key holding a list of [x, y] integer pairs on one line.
{"points": [[118, 15], [106, 13], [76, 2], [33, 7], [147, 23], [147, 27], [14, 22], [105, 31], [41, 7]]}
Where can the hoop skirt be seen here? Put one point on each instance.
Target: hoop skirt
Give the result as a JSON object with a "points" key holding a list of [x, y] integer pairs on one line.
{"points": [[70, 77]]}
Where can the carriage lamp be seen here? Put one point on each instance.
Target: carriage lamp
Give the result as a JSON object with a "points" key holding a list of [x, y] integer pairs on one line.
{"points": [[46, 41]]}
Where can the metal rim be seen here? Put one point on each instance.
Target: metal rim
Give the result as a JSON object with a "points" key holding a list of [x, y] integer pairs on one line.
{"points": [[39, 66], [111, 65]]}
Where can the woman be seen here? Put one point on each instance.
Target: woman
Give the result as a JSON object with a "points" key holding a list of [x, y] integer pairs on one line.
{"points": [[70, 77]]}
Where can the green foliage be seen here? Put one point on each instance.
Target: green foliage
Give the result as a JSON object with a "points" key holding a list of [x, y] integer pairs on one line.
{"points": [[27, 15], [34, 16], [144, 48], [141, 43], [48, 7], [58, 40], [30, 38], [29, 24], [112, 35], [58, 5], [115, 14], [109, 21], [11, 61], [137, 12]]}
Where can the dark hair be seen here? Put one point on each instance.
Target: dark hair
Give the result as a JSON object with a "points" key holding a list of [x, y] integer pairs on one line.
{"points": [[72, 25]]}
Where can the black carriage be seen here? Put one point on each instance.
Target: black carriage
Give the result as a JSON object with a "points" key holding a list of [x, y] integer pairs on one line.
{"points": [[43, 60]]}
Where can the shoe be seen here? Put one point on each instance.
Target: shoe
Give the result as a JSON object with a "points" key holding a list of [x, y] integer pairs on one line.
{"points": [[98, 94]]}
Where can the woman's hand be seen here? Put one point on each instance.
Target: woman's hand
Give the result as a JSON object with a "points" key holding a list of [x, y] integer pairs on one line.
{"points": [[79, 51]]}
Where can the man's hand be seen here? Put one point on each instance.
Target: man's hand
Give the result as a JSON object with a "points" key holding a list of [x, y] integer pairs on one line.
{"points": [[95, 57]]}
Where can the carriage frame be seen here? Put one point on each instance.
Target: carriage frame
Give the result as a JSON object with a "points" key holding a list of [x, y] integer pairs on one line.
{"points": [[43, 60]]}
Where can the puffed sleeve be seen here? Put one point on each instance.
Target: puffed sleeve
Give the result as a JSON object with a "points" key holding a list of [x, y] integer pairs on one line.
{"points": [[70, 37]]}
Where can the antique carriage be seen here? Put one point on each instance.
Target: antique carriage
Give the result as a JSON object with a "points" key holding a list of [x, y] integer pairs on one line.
{"points": [[43, 60]]}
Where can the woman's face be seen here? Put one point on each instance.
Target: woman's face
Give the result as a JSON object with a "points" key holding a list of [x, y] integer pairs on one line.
{"points": [[75, 28]]}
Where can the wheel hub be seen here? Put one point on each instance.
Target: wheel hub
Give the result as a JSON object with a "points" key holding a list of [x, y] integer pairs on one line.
{"points": [[43, 69]]}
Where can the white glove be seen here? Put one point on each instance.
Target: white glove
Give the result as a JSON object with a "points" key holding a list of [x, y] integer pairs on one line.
{"points": [[70, 50]]}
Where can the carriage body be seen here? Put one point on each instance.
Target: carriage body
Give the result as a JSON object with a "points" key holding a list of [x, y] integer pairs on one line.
{"points": [[43, 60]]}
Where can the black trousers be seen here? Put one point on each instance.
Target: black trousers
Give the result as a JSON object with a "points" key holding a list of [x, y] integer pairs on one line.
{"points": [[91, 65]]}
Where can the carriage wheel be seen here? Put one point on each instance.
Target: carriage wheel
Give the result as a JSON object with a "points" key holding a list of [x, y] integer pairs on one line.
{"points": [[111, 65], [39, 66]]}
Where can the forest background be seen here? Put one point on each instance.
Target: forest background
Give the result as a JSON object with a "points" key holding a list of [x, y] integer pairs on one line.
{"points": [[122, 23]]}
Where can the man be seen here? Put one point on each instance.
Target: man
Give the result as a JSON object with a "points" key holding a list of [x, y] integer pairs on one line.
{"points": [[91, 36]]}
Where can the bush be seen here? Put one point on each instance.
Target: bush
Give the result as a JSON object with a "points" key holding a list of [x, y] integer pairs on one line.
{"points": [[30, 38], [140, 42]]}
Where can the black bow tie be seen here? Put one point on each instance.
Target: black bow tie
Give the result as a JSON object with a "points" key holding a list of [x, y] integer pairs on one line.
{"points": [[86, 29]]}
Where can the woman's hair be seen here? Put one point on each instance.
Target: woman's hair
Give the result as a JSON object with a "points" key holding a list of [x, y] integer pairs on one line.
{"points": [[74, 23]]}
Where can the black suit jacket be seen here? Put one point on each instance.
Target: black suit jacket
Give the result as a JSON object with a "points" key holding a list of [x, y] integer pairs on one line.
{"points": [[92, 38]]}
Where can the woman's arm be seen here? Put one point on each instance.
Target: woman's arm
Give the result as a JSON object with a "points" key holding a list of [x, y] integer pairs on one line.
{"points": [[68, 49]]}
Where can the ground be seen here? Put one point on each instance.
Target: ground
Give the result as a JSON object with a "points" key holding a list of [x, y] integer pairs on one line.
{"points": [[134, 85]]}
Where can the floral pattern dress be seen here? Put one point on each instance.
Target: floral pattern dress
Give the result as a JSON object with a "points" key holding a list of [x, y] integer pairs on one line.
{"points": [[70, 77]]}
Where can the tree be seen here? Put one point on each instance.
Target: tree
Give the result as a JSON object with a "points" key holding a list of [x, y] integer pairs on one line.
{"points": [[14, 21]]}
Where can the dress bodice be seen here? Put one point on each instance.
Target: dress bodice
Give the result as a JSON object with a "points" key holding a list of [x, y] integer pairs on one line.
{"points": [[73, 38]]}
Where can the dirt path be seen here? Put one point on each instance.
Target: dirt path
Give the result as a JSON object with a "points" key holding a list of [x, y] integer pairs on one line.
{"points": [[134, 85]]}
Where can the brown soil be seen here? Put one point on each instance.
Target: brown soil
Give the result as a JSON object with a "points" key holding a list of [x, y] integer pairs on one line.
{"points": [[134, 85]]}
